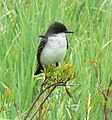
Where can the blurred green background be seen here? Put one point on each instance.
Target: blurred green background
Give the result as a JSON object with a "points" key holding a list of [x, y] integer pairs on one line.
{"points": [[21, 21]]}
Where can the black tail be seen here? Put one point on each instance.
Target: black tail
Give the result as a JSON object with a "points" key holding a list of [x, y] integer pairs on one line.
{"points": [[39, 70]]}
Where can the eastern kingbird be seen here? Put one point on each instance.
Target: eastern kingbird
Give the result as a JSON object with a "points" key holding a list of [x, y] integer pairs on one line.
{"points": [[53, 46]]}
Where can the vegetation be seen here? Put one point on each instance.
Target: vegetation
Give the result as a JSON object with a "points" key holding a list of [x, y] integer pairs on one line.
{"points": [[89, 56]]}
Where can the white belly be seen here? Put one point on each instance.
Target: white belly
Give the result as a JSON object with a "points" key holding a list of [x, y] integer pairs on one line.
{"points": [[54, 50]]}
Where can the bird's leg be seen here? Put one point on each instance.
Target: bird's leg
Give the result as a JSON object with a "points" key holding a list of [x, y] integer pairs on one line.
{"points": [[45, 68], [57, 64]]}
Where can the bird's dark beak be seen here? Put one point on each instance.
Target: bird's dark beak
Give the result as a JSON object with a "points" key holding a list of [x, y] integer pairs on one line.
{"points": [[42, 36], [69, 31]]}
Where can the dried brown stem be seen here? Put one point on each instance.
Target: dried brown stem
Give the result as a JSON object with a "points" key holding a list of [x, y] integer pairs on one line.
{"points": [[106, 99], [42, 91], [59, 83], [63, 84], [36, 99], [18, 113], [100, 77], [96, 72], [105, 93], [42, 102]]}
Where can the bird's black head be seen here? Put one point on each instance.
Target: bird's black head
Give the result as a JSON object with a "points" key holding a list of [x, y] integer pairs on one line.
{"points": [[56, 28]]}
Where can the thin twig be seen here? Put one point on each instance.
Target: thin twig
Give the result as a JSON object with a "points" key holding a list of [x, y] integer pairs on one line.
{"points": [[18, 113], [106, 99], [59, 83], [63, 84], [100, 78], [96, 72], [40, 113], [109, 87], [36, 99], [105, 93], [42, 103]]}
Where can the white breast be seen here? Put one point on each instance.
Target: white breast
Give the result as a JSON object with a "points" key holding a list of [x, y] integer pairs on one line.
{"points": [[54, 50]]}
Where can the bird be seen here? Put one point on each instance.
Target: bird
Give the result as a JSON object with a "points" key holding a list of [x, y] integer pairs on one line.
{"points": [[53, 46]]}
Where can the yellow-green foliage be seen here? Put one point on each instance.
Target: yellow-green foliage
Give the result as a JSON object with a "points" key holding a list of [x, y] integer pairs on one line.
{"points": [[61, 73]]}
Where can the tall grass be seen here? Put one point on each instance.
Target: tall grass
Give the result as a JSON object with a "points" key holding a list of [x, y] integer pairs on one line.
{"points": [[21, 22]]}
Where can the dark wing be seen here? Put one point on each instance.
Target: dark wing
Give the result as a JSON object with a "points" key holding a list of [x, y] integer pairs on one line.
{"points": [[67, 42], [41, 46]]}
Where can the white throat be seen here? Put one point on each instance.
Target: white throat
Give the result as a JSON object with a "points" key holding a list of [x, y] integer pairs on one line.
{"points": [[60, 35]]}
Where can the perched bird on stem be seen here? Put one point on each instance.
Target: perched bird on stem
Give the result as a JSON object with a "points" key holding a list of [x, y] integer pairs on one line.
{"points": [[53, 46]]}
